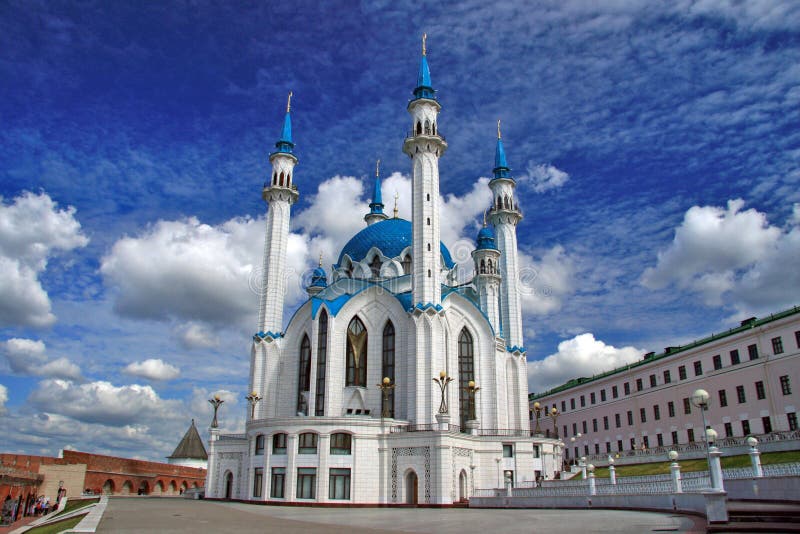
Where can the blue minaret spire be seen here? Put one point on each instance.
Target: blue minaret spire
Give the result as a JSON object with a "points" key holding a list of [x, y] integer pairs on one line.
{"points": [[424, 87], [501, 169], [285, 143], [376, 206]]}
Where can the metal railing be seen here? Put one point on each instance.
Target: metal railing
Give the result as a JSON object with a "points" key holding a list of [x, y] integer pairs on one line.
{"points": [[232, 437]]}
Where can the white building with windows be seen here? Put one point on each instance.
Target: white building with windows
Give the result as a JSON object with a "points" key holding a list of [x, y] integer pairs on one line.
{"points": [[319, 427], [751, 372]]}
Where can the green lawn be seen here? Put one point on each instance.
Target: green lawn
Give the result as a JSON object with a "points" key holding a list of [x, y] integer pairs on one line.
{"points": [[60, 526], [699, 464], [74, 504]]}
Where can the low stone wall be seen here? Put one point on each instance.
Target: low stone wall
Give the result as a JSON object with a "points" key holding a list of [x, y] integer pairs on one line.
{"points": [[678, 502], [766, 488]]}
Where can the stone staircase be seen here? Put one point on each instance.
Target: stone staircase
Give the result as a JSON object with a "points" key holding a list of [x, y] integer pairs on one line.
{"points": [[759, 516]]}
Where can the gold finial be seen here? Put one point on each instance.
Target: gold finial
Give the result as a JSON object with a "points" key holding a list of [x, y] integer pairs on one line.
{"points": [[378, 168], [396, 196], [498, 128], [424, 38], [484, 218], [320, 259], [289, 102]]}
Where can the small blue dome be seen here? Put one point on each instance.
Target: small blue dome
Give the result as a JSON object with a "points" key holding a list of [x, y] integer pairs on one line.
{"points": [[391, 237], [486, 238], [319, 278]]}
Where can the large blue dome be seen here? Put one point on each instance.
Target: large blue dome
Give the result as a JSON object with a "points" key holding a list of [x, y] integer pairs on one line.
{"points": [[391, 237]]}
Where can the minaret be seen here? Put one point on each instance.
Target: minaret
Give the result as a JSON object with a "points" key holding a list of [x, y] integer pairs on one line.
{"points": [[376, 206], [279, 193], [424, 146], [487, 275], [504, 215]]}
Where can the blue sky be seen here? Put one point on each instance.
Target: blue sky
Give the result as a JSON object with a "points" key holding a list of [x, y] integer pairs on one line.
{"points": [[655, 148]]}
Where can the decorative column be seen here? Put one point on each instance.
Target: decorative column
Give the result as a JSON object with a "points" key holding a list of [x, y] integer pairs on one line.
{"points": [[676, 471], [755, 457], [715, 470], [592, 485], [612, 471], [583, 467]]}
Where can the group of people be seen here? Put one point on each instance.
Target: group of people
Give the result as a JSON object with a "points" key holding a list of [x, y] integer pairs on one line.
{"points": [[41, 506], [14, 509]]}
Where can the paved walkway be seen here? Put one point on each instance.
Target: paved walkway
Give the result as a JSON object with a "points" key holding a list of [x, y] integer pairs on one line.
{"points": [[180, 515]]}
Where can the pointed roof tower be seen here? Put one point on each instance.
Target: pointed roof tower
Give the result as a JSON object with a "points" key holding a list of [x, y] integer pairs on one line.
{"points": [[285, 143], [376, 206], [190, 448], [501, 169], [424, 87]]}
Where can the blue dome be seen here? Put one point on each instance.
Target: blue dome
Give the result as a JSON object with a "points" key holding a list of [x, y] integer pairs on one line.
{"points": [[486, 238], [391, 237], [319, 278]]}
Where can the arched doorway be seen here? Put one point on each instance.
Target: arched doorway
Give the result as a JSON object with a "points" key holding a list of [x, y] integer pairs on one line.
{"points": [[228, 485], [173, 488], [462, 487], [144, 488], [127, 488], [412, 488], [108, 487], [184, 487], [158, 488]]}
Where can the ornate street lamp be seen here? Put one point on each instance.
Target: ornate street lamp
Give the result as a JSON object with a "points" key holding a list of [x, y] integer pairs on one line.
{"points": [[537, 412], [472, 389], [253, 399], [386, 387], [216, 402], [700, 399], [554, 414], [442, 382]]}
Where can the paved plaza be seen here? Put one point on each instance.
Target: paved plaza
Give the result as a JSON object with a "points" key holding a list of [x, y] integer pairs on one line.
{"points": [[180, 515]]}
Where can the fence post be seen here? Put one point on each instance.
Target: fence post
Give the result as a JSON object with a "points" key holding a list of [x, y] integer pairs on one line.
{"points": [[676, 471], [755, 457], [715, 469], [592, 486], [612, 471]]}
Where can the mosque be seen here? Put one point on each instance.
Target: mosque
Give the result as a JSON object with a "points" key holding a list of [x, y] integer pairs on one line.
{"points": [[394, 383]]}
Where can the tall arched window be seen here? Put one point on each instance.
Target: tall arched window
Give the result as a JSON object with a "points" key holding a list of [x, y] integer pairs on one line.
{"points": [[387, 368], [375, 266], [466, 372], [407, 264], [322, 356], [419, 127], [304, 375], [356, 374]]}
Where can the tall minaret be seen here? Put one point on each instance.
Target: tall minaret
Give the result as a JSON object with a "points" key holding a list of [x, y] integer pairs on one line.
{"points": [[487, 275], [376, 206], [424, 146], [505, 215], [280, 193]]}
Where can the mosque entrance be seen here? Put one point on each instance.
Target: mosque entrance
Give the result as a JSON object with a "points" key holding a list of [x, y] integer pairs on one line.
{"points": [[462, 486], [412, 487], [228, 485]]}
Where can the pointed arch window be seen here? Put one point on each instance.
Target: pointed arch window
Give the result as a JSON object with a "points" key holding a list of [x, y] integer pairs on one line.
{"points": [[491, 266], [407, 264], [280, 179], [427, 127], [419, 128], [499, 202], [375, 267], [304, 376], [322, 356], [387, 367], [356, 372], [483, 266], [466, 372]]}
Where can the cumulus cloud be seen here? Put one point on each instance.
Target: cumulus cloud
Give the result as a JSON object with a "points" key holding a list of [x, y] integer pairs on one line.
{"points": [[733, 256], [196, 336], [152, 369], [582, 355], [543, 177], [3, 398], [32, 230], [544, 284], [28, 357]]}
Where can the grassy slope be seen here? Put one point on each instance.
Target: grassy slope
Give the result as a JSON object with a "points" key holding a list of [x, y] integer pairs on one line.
{"points": [[700, 464]]}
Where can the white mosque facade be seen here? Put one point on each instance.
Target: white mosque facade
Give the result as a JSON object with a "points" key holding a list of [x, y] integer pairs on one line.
{"points": [[320, 429]]}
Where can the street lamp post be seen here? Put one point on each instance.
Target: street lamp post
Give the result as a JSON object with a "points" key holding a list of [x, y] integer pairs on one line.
{"points": [[442, 382], [472, 389], [253, 399], [700, 399], [216, 402], [537, 412], [554, 415], [386, 388]]}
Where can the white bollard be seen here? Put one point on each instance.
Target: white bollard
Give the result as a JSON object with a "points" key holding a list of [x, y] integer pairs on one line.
{"points": [[676, 476], [592, 487], [715, 469], [612, 473], [755, 457]]}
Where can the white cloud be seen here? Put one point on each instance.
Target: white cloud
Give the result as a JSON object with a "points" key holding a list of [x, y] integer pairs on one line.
{"points": [[581, 356], [32, 230], [731, 256], [544, 284], [152, 369], [543, 177], [197, 336], [28, 357], [3, 398]]}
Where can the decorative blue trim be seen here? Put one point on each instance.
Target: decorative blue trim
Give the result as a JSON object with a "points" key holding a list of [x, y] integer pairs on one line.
{"points": [[426, 306], [263, 336], [334, 306], [516, 349]]}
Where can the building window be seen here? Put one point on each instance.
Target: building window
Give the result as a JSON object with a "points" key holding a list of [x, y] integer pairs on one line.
{"points": [[643, 415], [572, 404], [786, 387], [278, 482], [564, 435], [602, 395], [279, 444], [652, 381], [645, 442], [388, 363], [627, 388], [617, 420], [614, 392], [564, 409], [687, 405], [792, 418], [574, 428], [740, 394], [583, 401], [797, 338], [258, 482], [682, 372], [304, 376], [584, 427], [608, 446], [406, 263], [656, 412], [746, 427], [619, 445], [508, 450], [728, 430], [717, 362], [466, 372], [339, 485], [536, 449], [341, 444], [307, 443], [752, 350], [690, 435], [633, 444], [605, 422], [723, 398], [767, 422], [259, 444], [761, 394], [674, 436], [597, 448], [594, 425], [667, 377], [322, 356], [592, 397], [630, 418], [671, 408], [734, 356], [306, 482], [698, 368], [777, 345], [639, 385], [586, 449], [356, 354]]}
